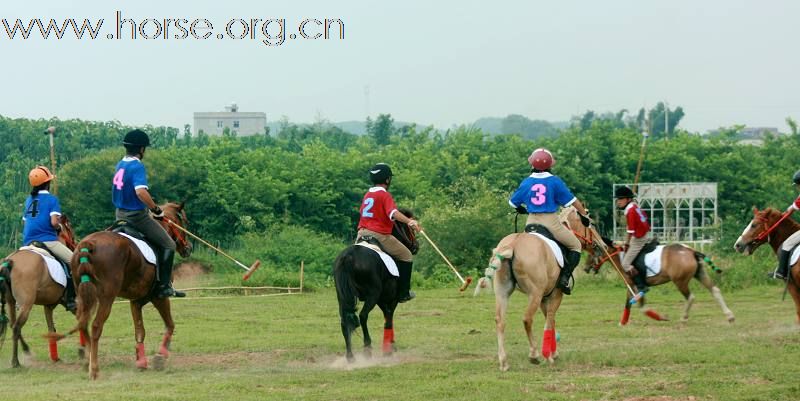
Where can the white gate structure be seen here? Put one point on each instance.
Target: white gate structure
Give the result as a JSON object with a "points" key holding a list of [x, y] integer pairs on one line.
{"points": [[684, 212]]}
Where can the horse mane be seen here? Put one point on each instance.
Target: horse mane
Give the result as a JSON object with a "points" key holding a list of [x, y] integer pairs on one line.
{"points": [[771, 214], [404, 233]]}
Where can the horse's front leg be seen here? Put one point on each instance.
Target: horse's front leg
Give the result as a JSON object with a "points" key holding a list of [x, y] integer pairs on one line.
{"points": [[51, 328], [139, 333], [369, 304], [164, 308]]}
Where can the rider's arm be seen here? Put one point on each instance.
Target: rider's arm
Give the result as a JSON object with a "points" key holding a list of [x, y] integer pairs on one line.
{"points": [[144, 195], [399, 216], [579, 207]]}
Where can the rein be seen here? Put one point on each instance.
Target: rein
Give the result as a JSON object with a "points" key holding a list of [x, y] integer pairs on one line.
{"points": [[180, 238], [766, 233]]}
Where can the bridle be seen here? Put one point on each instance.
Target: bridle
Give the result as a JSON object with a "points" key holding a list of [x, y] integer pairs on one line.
{"points": [[174, 232]]}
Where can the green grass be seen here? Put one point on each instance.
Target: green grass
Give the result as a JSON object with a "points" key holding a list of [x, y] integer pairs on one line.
{"points": [[290, 348]]}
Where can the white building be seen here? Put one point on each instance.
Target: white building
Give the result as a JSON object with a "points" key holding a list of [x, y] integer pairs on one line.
{"points": [[241, 123]]}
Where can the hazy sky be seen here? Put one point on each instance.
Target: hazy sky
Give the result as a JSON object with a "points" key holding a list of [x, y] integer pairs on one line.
{"points": [[432, 62]]}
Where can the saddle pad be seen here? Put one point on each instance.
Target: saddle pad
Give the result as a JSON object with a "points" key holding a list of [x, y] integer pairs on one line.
{"points": [[387, 260], [554, 247], [148, 253], [795, 256], [53, 265], [653, 261]]}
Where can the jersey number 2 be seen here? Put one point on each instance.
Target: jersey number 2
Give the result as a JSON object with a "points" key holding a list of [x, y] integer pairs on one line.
{"points": [[117, 181], [368, 204]]}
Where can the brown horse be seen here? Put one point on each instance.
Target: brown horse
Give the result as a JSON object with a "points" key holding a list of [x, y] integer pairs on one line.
{"points": [[24, 282], [108, 265], [679, 263], [525, 262], [756, 233]]}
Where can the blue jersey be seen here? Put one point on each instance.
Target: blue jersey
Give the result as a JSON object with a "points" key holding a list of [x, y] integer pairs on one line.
{"points": [[542, 193], [130, 175], [36, 215]]}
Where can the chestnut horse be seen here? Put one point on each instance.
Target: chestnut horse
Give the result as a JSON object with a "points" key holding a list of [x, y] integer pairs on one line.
{"points": [[525, 262], [679, 263], [108, 265], [756, 233], [360, 274], [24, 282]]}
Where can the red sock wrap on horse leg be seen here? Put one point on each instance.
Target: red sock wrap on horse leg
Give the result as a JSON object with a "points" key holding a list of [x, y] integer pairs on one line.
{"points": [[164, 350], [626, 315], [82, 339], [653, 315], [53, 350], [388, 339], [548, 342], [141, 359]]}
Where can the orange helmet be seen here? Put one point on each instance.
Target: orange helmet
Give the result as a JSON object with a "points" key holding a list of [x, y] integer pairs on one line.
{"points": [[40, 175], [541, 159]]}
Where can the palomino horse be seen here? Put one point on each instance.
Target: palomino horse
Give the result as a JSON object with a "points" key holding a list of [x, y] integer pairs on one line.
{"points": [[107, 266], [525, 262], [360, 274], [679, 263], [758, 232], [24, 282]]}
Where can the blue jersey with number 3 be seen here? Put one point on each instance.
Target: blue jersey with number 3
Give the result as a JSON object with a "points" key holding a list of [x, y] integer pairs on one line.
{"points": [[542, 193], [128, 177], [38, 210]]}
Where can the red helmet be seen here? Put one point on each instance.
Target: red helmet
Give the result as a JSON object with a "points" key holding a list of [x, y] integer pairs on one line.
{"points": [[541, 159]]}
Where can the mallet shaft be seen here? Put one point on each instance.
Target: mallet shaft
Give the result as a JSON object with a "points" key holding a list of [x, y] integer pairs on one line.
{"points": [[443, 257]]}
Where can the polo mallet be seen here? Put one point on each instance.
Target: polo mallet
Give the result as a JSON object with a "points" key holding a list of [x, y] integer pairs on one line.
{"points": [[464, 283], [635, 297], [249, 270], [51, 131]]}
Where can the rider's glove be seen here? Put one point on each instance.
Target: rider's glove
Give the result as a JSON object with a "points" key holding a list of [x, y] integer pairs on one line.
{"points": [[158, 214]]}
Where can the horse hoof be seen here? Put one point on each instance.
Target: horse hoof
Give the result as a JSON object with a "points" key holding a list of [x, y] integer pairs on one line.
{"points": [[15, 365], [81, 353], [535, 360], [368, 353], [141, 364], [731, 319], [159, 361], [351, 359], [504, 367]]}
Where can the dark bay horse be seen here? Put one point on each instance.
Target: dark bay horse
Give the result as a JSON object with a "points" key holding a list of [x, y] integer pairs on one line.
{"points": [[679, 264], [360, 274], [24, 282], [752, 238], [525, 262], [107, 265]]}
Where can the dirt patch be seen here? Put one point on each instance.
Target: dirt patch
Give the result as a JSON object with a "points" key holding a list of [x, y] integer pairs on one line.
{"points": [[661, 398], [189, 272]]}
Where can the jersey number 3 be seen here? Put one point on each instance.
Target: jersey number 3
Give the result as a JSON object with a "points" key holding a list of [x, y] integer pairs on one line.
{"points": [[118, 179], [538, 191], [368, 204]]}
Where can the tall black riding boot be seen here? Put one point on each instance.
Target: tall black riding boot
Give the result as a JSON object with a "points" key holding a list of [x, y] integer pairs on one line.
{"points": [[69, 296], [782, 272], [571, 260], [640, 279], [165, 260], [404, 293]]}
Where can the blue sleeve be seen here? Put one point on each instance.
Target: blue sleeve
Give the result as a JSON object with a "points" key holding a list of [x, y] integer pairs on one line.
{"points": [[563, 195], [139, 176], [55, 206], [518, 198]]}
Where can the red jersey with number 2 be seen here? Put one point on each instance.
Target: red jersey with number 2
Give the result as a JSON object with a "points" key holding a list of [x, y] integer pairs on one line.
{"points": [[637, 220], [376, 211]]}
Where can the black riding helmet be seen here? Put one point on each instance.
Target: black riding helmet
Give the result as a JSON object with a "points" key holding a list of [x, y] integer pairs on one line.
{"points": [[796, 178], [623, 192], [380, 173], [136, 138]]}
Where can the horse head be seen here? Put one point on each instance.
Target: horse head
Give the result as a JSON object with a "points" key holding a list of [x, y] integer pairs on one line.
{"points": [[755, 234], [405, 234], [176, 215], [586, 236], [66, 235]]}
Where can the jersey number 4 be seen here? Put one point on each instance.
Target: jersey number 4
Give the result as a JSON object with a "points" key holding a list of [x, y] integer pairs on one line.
{"points": [[118, 179], [33, 209]]}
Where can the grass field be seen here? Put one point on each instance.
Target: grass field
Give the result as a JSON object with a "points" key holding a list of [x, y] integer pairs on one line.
{"points": [[290, 348]]}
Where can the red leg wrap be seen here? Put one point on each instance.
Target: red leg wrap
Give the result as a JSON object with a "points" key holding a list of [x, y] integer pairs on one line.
{"points": [[626, 315], [141, 359], [388, 339], [82, 339], [53, 350], [653, 315], [164, 350], [548, 340]]}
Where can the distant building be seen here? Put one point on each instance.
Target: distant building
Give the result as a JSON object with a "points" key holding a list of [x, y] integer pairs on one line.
{"points": [[241, 123]]}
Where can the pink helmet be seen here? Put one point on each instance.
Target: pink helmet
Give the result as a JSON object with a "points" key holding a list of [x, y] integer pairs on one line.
{"points": [[541, 159]]}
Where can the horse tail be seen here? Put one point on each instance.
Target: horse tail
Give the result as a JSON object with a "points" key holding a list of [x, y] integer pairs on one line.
{"points": [[342, 268], [5, 288], [503, 251], [87, 291], [703, 259]]}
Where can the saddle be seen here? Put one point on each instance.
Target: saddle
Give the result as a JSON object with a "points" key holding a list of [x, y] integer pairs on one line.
{"points": [[123, 227], [638, 263], [372, 241], [540, 229], [41, 245]]}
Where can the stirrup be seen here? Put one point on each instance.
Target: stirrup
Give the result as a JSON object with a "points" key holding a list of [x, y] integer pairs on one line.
{"points": [[565, 288], [167, 291]]}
